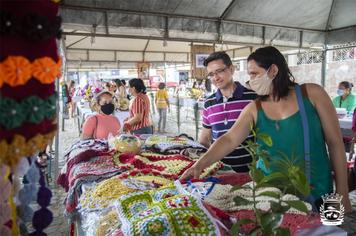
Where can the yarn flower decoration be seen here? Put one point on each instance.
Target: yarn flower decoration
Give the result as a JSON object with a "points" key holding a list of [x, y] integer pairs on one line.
{"points": [[34, 109], [10, 115], [16, 70], [46, 70]]}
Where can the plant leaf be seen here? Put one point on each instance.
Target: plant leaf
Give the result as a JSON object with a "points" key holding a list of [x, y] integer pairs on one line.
{"points": [[283, 232], [270, 221], [278, 208], [265, 138], [269, 194], [255, 231], [300, 182], [236, 187], [299, 205], [235, 229], [256, 175], [241, 201]]}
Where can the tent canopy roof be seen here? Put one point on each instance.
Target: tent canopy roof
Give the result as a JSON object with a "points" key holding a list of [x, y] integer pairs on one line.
{"points": [[144, 26]]}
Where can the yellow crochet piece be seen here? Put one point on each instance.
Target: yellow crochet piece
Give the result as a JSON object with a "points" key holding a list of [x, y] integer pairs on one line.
{"points": [[104, 193], [108, 223]]}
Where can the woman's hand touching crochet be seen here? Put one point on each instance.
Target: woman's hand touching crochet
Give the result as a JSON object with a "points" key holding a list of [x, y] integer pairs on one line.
{"points": [[193, 172]]}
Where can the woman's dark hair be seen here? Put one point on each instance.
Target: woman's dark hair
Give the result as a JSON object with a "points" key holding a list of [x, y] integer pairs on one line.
{"points": [[265, 57], [347, 85], [118, 83], [161, 85], [123, 82], [138, 85], [218, 56]]}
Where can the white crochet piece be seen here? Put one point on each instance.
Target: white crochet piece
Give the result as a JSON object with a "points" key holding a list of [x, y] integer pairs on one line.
{"points": [[222, 198]]}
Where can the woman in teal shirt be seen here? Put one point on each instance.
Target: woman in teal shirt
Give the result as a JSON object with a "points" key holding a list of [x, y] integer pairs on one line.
{"points": [[276, 113], [345, 98]]}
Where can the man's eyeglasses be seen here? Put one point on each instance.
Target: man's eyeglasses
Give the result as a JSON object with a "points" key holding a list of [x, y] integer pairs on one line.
{"points": [[218, 72]]}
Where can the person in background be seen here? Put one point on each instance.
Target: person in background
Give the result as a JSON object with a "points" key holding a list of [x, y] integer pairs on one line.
{"points": [[126, 89], [345, 99], [71, 89], [276, 113], [139, 121], [222, 108], [66, 99], [162, 104], [100, 125], [121, 90]]}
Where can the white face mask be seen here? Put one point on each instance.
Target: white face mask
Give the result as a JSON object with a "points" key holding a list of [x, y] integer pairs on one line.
{"points": [[262, 85]]}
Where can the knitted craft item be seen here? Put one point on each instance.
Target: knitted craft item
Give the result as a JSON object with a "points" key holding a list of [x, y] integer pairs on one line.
{"points": [[103, 194], [164, 212], [149, 176], [108, 223], [221, 197], [29, 64], [33, 27], [27, 194], [95, 169], [174, 165], [162, 144], [293, 222], [18, 70], [81, 151], [5, 210], [11, 153], [32, 109]]}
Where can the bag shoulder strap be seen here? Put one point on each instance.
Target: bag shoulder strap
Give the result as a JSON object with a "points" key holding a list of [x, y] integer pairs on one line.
{"points": [[96, 126], [305, 125]]}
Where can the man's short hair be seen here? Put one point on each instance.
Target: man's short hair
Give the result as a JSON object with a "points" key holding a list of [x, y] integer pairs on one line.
{"points": [[218, 56]]}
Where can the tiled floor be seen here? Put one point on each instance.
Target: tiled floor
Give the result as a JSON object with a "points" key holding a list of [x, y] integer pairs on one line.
{"points": [[60, 225]]}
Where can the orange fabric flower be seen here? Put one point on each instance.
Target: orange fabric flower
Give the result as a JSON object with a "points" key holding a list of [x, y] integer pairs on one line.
{"points": [[45, 69], [1, 75], [16, 70]]}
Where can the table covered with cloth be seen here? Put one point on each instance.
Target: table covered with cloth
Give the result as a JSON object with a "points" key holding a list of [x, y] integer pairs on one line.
{"points": [[111, 193]]}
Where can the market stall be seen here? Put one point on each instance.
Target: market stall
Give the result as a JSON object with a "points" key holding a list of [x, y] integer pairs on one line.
{"points": [[128, 186]]}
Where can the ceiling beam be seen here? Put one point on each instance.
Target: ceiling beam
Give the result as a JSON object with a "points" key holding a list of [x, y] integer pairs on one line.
{"points": [[115, 62], [70, 45], [327, 26], [214, 19], [228, 9], [119, 50], [168, 39]]}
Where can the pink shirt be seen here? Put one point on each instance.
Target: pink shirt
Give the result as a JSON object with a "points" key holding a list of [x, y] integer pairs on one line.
{"points": [[100, 125]]}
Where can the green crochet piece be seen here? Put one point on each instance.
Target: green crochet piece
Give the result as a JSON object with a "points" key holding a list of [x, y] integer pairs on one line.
{"points": [[163, 212], [32, 109]]}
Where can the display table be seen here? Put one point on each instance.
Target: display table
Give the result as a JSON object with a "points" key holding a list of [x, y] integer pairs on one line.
{"points": [[346, 122]]}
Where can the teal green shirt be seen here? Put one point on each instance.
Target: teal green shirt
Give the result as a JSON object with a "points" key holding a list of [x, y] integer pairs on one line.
{"points": [[349, 103], [287, 136]]}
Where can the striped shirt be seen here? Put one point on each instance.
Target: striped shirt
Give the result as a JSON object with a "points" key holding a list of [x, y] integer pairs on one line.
{"points": [[219, 115], [141, 105]]}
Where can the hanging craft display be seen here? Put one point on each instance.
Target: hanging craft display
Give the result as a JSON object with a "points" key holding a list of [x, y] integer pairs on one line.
{"points": [[29, 65]]}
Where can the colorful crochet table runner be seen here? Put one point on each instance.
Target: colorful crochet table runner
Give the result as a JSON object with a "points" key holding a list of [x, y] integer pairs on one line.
{"points": [[164, 212], [172, 165]]}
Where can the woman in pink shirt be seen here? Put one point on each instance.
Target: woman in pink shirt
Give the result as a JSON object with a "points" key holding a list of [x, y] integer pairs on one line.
{"points": [[99, 126]]}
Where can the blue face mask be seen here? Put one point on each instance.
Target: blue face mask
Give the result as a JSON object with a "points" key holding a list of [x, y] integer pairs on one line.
{"points": [[340, 92]]}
